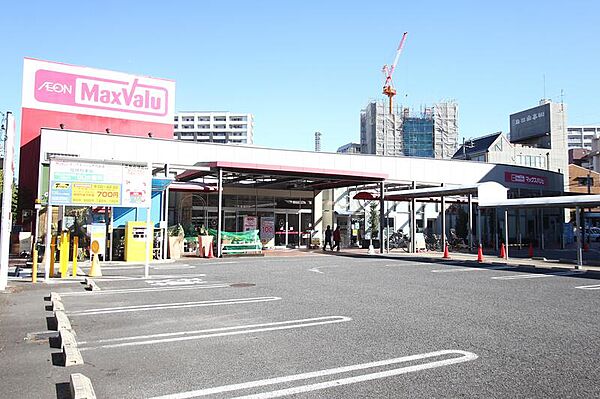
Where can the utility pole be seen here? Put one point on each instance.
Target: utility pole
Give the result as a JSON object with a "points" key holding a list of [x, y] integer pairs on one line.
{"points": [[466, 143]]}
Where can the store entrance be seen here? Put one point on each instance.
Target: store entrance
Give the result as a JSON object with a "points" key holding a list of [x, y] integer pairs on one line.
{"points": [[287, 226]]}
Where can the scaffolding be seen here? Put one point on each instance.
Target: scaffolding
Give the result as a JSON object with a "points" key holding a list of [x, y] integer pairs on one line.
{"points": [[381, 132], [445, 131]]}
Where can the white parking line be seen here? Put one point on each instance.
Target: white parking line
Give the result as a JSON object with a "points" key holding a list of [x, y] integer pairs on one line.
{"points": [[176, 281], [215, 332], [133, 267], [589, 287], [152, 277], [471, 269], [138, 290], [176, 305], [316, 269], [463, 357], [528, 276]]}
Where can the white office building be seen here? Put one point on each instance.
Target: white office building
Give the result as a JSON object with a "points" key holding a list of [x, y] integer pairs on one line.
{"points": [[214, 127], [582, 136]]}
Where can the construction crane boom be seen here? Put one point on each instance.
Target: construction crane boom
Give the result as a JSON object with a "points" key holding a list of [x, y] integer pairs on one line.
{"points": [[388, 86]]}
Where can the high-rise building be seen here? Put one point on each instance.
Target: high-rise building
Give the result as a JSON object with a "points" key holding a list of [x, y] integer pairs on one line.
{"points": [[214, 127], [582, 136], [417, 136], [433, 133], [380, 132]]}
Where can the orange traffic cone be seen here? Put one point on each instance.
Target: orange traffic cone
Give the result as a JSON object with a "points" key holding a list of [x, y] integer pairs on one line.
{"points": [[446, 254], [531, 250], [210, 251], [480, 255], [502, 251]]}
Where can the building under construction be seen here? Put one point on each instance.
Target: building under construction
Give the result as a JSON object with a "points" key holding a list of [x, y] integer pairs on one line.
{"points": [[431, 133]]}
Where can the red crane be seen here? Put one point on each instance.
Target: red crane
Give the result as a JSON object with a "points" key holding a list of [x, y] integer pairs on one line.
{"points": [[388, 71]]}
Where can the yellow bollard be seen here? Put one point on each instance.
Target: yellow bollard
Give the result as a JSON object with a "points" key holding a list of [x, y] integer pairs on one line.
{"points": [[64, 254], [75, 248], [34, 266], [51, 254]]}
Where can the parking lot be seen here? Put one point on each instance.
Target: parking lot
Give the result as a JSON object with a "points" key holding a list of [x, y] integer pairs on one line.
{"points": [[336, 327]]}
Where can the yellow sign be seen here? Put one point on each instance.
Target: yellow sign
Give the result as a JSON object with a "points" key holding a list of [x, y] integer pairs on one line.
{"points": [[95, 247], [61, 186], [92, 193]]}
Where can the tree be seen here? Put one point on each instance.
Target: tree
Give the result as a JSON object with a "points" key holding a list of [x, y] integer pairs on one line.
{"points": [[373, 224], [462, 223], [15, 192]]}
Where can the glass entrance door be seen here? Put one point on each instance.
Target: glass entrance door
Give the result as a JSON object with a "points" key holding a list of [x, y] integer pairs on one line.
{"points": [[280, 229]]}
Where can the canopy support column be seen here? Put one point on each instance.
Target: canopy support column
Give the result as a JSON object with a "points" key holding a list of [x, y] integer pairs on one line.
{"points": [[382, 217], [219, 211], [578, 236], [443, 212], [506, 233], [470, 229], [479, 225], [413, 221]]}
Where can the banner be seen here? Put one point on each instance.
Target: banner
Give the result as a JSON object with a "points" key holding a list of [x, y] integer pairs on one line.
{"points": [[267, 231], [250, 223], [93, 183]]}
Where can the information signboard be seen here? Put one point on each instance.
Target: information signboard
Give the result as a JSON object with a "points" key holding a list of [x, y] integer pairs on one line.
{"points": [[96, 183]]}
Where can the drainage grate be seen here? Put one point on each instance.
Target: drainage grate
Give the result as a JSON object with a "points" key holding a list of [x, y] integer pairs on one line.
{"points": [[242, 285]]}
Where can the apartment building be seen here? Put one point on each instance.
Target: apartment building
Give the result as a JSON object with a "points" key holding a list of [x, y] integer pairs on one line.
{"points": [[214, 127], [582, 136]]}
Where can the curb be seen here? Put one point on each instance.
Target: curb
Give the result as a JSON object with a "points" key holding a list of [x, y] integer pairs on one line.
{"points": [[81, 387], [62, 321], [91, 285]]}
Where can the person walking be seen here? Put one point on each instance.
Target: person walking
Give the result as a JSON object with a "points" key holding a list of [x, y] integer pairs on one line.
{"points": [[337, 237], [328, 238]]}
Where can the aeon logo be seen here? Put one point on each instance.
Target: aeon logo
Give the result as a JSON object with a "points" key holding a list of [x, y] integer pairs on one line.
{"points": [[54, 87], [98, 93]]}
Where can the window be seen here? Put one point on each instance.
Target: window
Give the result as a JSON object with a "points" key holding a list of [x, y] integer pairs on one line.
{"points": [[238, 118], [203, 118], [220, 118], [176, 118], [187, 119], [583, 181], [203, 126], [176, 126], [219, 126], [187, 126]]}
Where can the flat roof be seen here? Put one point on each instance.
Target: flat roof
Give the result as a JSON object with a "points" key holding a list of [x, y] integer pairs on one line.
{"points": [[245, 174], [546, 202]]}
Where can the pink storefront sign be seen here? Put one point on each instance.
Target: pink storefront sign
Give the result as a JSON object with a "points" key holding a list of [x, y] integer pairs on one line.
{"points": [[128, 96], [523, 178]]}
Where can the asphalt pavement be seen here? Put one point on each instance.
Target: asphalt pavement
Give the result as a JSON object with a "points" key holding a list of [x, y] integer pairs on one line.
{"points": [[317, 326]]}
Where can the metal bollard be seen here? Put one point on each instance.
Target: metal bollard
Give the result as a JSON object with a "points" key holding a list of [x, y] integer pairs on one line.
{"points": [[34, 266], [75, 248]]}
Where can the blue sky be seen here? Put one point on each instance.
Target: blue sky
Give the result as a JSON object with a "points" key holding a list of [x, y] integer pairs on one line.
{"points": [[303, 66]]}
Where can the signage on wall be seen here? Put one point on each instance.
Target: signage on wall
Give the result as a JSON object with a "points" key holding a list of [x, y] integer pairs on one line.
{"points": [[522, 178], [74, 89], [91, 183], [531, 123]]}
